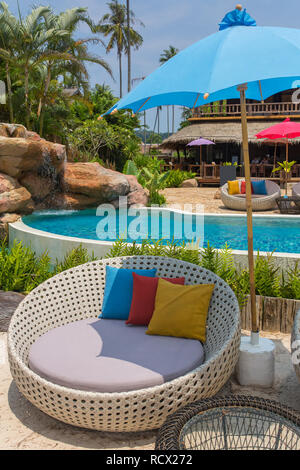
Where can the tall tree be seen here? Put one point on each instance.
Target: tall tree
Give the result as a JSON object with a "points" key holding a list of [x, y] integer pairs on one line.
{"points": [[166, 55], [67, 56], [114, 26], [41, 48], [8, 26]]}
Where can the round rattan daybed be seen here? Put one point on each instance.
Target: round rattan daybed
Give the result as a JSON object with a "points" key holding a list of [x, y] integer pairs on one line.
{"points": [[295, 343], [77, 294], [259, 203]]}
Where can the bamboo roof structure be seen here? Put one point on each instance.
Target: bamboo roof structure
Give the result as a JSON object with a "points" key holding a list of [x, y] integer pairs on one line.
{"points": [[219, 132]]}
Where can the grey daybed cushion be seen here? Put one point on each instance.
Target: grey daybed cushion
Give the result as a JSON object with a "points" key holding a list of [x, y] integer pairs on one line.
{"points": [[110, 356]]}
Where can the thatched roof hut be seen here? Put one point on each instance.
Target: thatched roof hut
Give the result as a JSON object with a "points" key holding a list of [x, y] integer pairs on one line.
{"points": [[218, 132]]}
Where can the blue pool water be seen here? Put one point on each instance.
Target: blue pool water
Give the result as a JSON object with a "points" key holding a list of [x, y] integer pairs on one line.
{"points": [[270, 233]]}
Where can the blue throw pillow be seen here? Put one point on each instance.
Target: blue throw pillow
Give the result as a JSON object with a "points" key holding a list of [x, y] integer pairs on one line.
{"points": [[259, 187], [118, 291]]}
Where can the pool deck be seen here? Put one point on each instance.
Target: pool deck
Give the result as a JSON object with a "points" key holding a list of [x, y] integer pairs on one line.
{"points": [[204, 196]]}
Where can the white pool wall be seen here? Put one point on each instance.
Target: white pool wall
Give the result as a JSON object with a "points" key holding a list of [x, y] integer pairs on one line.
{"points": [[58, 246]]}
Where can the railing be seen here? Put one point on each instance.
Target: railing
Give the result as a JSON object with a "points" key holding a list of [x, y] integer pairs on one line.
{"points": [[219, 109]]}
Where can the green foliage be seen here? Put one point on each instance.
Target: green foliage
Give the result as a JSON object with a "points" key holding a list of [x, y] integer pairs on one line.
{"points": [[290, 283], [150, 177], [267, 280], [130, 168], [101, 141], [177, 177], [221, 262], [42, 58], [21, 270], [284, 166], [75, 257]]}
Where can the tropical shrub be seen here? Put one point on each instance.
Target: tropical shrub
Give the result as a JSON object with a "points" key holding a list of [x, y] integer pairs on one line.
{"points": [[21, 270], [151, 178], [268, 280], [75, 257], [102, 141], [177, 177]]}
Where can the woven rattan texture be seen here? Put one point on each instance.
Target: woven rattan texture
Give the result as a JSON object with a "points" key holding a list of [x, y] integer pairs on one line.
{"points": [[77, 294], [245, 423], [262, 203]]}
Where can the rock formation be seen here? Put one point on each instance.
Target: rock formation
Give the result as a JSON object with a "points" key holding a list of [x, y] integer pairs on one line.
{"points": [[35, 174]]}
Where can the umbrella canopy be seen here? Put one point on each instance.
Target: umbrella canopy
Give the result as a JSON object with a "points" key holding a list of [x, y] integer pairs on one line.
{"points": [[284, 130], [266, 58], [199, 142]]}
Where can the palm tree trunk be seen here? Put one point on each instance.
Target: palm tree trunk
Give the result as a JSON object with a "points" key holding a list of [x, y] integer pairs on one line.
{"points": [[41, 110], [128, 50], [120, 72], [9, 94], [27, 111]]}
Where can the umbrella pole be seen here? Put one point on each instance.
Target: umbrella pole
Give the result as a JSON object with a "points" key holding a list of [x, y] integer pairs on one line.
{"points": [[275, 156], [254, 335], [287, 159], [200, 172]]}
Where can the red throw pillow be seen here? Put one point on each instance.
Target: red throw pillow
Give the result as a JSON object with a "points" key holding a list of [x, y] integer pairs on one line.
{"points": [[143, 298], [243, 187]]}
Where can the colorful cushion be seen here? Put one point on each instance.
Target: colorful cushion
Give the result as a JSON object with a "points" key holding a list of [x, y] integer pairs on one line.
{"points": [[259, 187], [181, 311], [233, 187], [118, 291], [243, 187], [143, 298]]}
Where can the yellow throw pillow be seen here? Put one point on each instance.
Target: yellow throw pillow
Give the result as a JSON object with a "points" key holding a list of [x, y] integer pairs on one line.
{"points": [[233, 187], [180, 311]]}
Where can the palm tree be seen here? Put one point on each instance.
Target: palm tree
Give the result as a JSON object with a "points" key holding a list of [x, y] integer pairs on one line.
{"points": [[166, 55], [128, 41], [27, 47], [114, 25], [42, 45], [66, 55], [8, 24]]}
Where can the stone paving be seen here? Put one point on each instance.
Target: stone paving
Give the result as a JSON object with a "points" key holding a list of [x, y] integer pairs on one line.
{"points": [[204, 196]]}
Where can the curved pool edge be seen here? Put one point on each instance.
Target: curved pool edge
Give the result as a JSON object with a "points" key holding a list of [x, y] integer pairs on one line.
{"points": [[58, 246]]}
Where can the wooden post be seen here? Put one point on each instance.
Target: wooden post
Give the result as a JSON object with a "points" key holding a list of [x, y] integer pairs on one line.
{"points": [[200, 172], [275, 152], [242, 89], [287, 159]]}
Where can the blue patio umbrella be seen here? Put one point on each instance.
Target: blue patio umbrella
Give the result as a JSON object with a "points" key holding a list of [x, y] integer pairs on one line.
{"points": [[242, 61]]}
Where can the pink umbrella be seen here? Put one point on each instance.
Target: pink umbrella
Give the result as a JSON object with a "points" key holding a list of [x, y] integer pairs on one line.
{"points": [[199, 143], [284, 130]]}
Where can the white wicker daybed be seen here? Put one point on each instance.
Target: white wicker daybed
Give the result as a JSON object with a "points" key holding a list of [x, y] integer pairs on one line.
{"points": [[259, 203], [77, 294]]}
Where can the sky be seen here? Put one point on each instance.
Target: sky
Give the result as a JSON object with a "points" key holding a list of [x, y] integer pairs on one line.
{"points": [[179, 23]]}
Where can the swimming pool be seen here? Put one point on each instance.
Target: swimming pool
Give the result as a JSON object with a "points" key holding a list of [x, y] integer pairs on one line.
{"points": [[271, 233]]}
